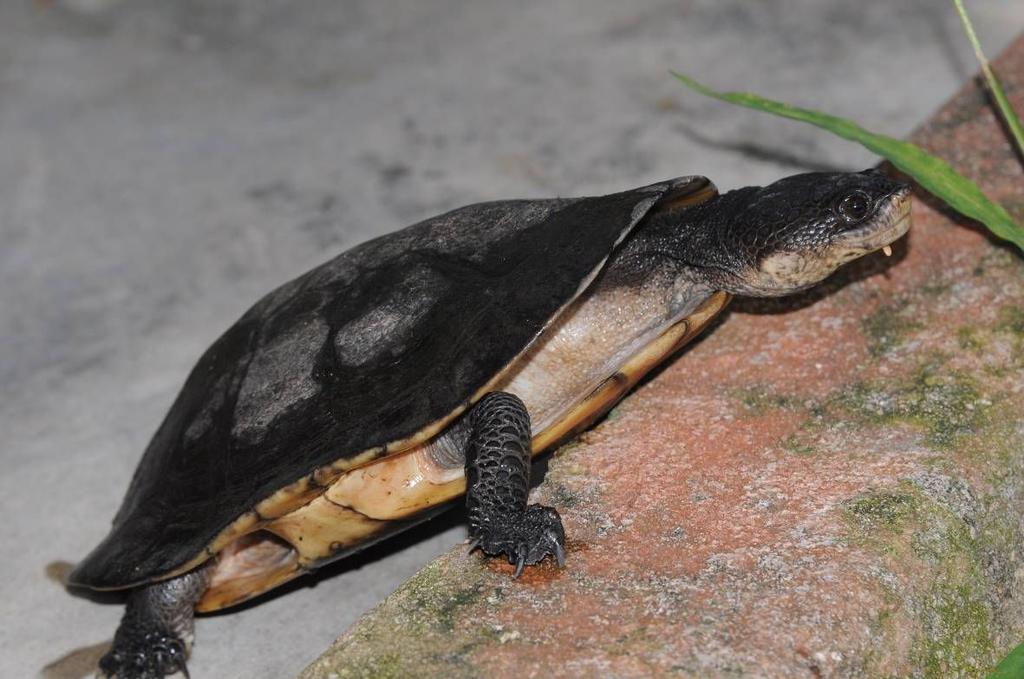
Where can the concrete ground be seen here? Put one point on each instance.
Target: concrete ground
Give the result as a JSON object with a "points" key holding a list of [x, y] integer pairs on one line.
{"points": [[163, 164]]}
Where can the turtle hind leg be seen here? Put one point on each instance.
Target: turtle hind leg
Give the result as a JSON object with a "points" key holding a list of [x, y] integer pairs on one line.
{"points": [[155, 633], [497, 485]]}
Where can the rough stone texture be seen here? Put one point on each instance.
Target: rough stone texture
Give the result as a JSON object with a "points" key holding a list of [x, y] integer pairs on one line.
{"points": [[829, 486]]}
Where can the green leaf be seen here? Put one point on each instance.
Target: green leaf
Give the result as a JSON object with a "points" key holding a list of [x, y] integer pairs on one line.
{"points": [[931, 172], [1012, 666]]}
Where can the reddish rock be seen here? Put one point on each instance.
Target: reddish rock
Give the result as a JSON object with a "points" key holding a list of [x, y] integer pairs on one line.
{"points": [[829, 486]]}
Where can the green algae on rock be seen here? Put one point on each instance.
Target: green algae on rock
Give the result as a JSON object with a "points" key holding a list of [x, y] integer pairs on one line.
{"points": [[936, 570], [946, 404], [888, 327], [885, 509]]}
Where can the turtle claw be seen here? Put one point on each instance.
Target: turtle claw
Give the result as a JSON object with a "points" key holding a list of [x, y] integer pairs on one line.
{"points": [[526, 538], [153, 655], [520, 564], [559, 549]]}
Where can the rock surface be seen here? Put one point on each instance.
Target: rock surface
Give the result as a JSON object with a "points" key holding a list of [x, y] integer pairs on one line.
{"points": [[828, 486]]}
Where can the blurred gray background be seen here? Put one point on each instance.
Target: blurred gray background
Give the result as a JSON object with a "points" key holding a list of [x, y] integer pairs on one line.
{"points": [[163, 164]]}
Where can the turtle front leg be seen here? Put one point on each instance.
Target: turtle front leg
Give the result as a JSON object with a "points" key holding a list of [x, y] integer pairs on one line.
{"points": [[155, 634], [497, 485]]}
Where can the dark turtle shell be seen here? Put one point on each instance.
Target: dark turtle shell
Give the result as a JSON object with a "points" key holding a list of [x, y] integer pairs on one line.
{"points": [[365, 350]]}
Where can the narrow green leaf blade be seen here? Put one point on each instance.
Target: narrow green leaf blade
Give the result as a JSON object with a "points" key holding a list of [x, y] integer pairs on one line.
{"points": [[931, 172], [1012, 666], [1009, 116]]}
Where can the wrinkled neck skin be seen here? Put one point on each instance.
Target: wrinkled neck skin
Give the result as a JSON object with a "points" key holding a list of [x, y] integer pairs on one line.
{"points": [[693, 246]]}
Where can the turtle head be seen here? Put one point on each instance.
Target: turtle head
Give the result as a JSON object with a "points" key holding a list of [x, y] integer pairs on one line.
{"points": [[787, 236]]}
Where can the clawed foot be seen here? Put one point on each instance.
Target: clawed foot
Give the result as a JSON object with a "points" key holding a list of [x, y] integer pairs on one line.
{"points": [[152, 655], [526, 538]]}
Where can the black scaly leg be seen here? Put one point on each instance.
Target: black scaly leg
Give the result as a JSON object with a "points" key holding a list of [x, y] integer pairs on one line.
{"points": [[497, 484], [155, 633]]}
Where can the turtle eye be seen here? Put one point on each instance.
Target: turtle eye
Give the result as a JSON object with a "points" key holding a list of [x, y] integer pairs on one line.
{"points": [[854, 207]]}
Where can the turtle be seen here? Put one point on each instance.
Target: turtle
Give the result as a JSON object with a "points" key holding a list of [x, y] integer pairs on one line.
{"points": [[374, 390]]}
